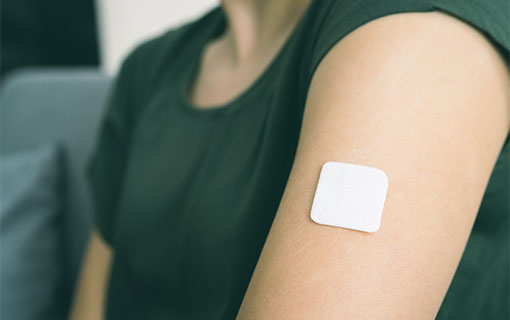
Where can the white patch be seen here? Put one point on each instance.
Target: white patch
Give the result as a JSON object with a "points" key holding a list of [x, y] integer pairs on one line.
{"points": [[350, 196]]}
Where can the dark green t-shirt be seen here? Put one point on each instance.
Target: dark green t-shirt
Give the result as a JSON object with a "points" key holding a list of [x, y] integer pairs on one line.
{"points": [[186, 196]]}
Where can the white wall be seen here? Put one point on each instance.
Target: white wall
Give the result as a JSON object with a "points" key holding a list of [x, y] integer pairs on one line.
{"points": [[125, 23]]}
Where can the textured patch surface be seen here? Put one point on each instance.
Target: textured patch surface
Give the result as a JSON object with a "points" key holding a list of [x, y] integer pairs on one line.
{"points": [[350, 196]]}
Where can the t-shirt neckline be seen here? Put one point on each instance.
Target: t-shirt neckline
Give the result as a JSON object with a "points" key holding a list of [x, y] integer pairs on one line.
{"points": [[240, 100]]}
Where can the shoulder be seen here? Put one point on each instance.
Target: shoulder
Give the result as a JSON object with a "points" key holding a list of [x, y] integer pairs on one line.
{"points": [[425, 51], [330, 21]]}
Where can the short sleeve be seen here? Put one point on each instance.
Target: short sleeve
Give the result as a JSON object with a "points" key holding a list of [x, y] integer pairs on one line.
{"points": [[106, 165], [339, 18]]}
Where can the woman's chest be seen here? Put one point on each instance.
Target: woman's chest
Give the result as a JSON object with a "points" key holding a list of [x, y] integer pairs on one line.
{"points": [[203, 176]]}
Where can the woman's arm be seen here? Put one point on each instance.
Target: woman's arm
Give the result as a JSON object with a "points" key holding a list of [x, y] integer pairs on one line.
{"points": [[89, 297], [425, 97]]}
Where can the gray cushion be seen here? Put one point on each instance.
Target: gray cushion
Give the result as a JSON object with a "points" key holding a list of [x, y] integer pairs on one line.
{"points": [[58, 104], [31, 250]]}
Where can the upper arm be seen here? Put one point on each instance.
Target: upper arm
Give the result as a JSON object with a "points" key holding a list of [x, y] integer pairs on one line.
{"points": [[425, 98]]}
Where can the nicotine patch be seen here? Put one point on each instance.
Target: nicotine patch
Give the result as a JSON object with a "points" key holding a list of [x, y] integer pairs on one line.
{"points": [[350, 196]]}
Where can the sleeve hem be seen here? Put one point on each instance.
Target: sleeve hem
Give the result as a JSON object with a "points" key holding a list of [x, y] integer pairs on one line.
{"points": [[360, 13], [354, 17]]}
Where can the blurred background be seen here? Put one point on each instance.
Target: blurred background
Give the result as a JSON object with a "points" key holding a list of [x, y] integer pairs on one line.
{"points": [[84, 32], [58, 60]]}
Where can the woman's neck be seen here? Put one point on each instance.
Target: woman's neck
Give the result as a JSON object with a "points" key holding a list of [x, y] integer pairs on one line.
{"points": [[255, 25]]}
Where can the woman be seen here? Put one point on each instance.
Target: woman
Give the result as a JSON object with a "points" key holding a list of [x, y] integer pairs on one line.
{"points": [[215, 134]]}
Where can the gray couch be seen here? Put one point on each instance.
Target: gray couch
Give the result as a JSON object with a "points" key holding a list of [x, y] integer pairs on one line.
{"points": [[65, 105]]}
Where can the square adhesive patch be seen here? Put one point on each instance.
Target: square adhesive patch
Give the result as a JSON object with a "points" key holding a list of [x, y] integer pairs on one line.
{"points": [[350, 196]]}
